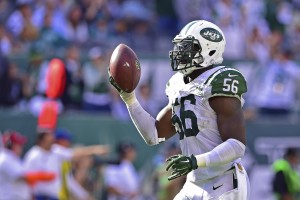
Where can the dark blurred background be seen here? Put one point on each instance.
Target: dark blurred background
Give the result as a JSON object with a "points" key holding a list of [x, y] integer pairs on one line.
{"points": [[263, 42]]}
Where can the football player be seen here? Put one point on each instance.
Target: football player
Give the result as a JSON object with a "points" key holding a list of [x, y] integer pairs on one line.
{"points": [[205, 110]]}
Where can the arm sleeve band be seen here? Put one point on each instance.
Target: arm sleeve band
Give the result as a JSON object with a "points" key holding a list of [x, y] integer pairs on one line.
{"points": [[144, 123], [226, 152], [33, 177]]}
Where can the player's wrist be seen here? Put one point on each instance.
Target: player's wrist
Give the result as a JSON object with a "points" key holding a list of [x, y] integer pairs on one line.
{"points": [[201, 160], [128, 98], [194, 162]]}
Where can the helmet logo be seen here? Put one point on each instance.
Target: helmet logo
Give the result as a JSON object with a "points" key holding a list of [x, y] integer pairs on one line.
{"points": [[211, 34]]}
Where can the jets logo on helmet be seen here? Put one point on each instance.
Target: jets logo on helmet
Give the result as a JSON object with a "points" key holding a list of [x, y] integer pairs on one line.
{"points": [[199, 44], [211, 34]]}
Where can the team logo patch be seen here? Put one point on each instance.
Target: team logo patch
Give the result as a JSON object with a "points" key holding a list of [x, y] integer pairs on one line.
{"points": [[211, 34]]}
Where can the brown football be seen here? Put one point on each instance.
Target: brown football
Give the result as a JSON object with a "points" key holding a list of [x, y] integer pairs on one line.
{"points": [[125, 68]]}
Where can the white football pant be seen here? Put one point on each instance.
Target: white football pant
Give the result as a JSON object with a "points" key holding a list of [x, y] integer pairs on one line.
{"points": [[233, 185]]}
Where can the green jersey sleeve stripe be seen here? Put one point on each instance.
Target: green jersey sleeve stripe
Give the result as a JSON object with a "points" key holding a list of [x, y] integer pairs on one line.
{"points": [[212, 76], [226, 95]]}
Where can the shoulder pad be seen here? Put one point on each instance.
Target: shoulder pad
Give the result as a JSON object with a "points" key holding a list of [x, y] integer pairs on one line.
{"points": [[227, 81], [174, 83]]}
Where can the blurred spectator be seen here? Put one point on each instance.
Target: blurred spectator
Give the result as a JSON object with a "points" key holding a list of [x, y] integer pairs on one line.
{"points": [[293, 35], [49, 39], [122, 181], [20, 22], [63, 147], [76, 29], [257, 46], [5, 43], [188, 10], [36, 73], [115, 8], [92, 9], [72, 96], [143, 40], [15, 22], [51, 157], [70, 187], [118, 108], [276, 42], [14, 180], [11, 88], [253, 14], [144, 95], [120, 32], [229, 18], [75, 177], [84, 175], [101, 31], [167, 20], [12, 174], [277, 94], [53, 8], [40, 157], [6, 7], [286, 182], [96, 95], [278, 14], [133, 10]]}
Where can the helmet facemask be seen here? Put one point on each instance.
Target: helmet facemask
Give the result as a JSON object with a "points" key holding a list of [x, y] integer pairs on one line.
{"points": [[186, 55]]}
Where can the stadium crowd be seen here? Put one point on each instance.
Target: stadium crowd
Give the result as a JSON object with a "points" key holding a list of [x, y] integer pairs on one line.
{"points": [[83, 33]]}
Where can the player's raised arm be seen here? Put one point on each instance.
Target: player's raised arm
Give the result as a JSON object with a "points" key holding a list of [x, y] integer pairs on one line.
{"points": [[124, 75], [152, 130]]}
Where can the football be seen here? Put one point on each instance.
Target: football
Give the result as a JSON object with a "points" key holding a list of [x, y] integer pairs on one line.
{"points": [[124, 67]]}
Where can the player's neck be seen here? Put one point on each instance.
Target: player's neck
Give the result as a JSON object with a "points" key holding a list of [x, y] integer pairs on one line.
{"points": [[190, 77]]}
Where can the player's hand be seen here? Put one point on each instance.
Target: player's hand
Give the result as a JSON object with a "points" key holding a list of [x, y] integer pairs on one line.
{"points": [[113, 83], [128, 98], [181, 165]]}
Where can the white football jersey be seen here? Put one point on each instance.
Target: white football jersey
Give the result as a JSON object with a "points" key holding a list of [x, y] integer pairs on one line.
{"points": [[195, 121]]}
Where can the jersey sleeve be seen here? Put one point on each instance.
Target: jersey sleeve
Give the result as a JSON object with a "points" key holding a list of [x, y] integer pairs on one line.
{"points": [[227, 82], [62, 152]]}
